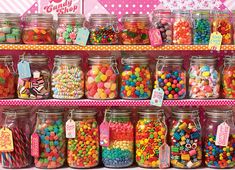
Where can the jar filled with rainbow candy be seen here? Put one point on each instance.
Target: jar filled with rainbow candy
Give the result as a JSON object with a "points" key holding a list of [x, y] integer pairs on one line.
{"points": [[151, 131], [217, 153], [185, 139], [83, 150], [171, 77]]}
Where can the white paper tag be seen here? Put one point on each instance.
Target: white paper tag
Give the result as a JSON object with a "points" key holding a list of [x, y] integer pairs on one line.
{"points": [[222, 134], [215, 41], [24, 69], [82, 36], [157, 97], [164, 156], [70, 129]]}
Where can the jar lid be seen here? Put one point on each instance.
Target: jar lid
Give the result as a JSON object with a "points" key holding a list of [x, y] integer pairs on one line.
{"points": [[186, 111], [5, 58], [72, 16], [219, 113], [135, 60], [151, 112], [201, 12], [53, 112], [119, 112], [15, 112], [203, 59], [181, 12], [135, 17], [34, 58], [83, 113], [9, 17], [39, 17], [103, 18], [170, 59], [67, 59], [218, 12], [228, 58], [100, 59]]}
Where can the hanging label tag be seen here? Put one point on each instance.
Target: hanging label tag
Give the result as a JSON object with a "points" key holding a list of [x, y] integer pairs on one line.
{"points": [[222, 134], [6, 140], [35, 142], [104, 134], [164, 156], [215, 41], [24, 69], [70, 129], [82, 36], [155, 37], [157, 97]]}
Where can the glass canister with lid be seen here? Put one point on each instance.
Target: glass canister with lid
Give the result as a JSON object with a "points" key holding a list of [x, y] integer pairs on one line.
{"points": [[67, 77], [151, 132]]}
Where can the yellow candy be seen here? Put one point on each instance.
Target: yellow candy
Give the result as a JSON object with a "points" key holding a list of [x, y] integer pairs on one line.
{"points": [[103, 77], [113, 87], [206, 74], [128, 93], [185, 157], [103, 96], [95, 71], [137, 69]]}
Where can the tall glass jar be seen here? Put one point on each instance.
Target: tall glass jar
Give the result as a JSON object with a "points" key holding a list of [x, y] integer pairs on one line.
{"points": [[171, 77], [120, 152], [103, 29], [185, 139], [204, 78], [17, 120], [68, 25], [135, 29], [151, 132], [217, 156], [67, 78], [38, 85], [101, 78], [50, 128], [162, 20], [201, 27], [182, 28], [10, 28], [135, 78], [38, 29], [83, 150]]}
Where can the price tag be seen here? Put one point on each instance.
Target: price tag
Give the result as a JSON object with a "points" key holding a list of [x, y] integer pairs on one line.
{"points": [[157, 97], [222, 134], [82, 36], [164, 156], [24, 69], [6, 142], [155, 37], [215, 41], [104, 134], [35, 142], [70, 129]]}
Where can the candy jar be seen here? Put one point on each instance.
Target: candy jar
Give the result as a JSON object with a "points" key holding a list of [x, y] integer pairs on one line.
{"points": [[50, 129], [83, 150], [68, 25], [120, 152], [182, 28], [162, 20], [17, 121], [135, 78], [201, 27], [204, 78], [171, 77], [135, 29], [101, 78], [185, 139], [10, 29], [151, 133], [67, 78], [217, 153], [38, 29], [36, 85], [103, 29], [221, 23]]}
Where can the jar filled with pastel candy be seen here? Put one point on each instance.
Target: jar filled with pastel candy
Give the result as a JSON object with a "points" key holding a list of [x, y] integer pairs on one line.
{"points": [[83, 150], [185, 139], [120, 151], [103, 29], [171, 77], [219, 151], [182, 28], [68, 25], [101, 78], [10, 28], [221, 23], [135, 29], [204, 78], [151, 133], [162, 20], [38, 29], [17, 121], [52, 146], [67, 78], [201, 27], [34, 82]]}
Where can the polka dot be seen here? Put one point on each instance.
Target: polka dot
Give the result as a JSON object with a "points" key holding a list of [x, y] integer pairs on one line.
{"points": [[147, 5], [133, 12], [112, 5], [119, 12], [133, 5], [147, 12], [36, 5], [112, 12], [127, 5], [105, 5], [141, 5], [119, 5], [29, 12], [127, 12], [141, 12]]}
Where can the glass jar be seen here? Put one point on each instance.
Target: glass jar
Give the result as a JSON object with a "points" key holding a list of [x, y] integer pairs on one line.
{"points": [[68, 25], [219, 156], [185, 139], [101, 78], [67, 78], [38, 85], [7, 78], [151, 131], [50, 128], [38, 29], [10, 28], [135, 78], [162, 20], [103, 29], [135, 29], [120, 152], [221, 23], [182, 28], [201, 27], [204, 78], [83, 150], [17, 120], [171, 77]]}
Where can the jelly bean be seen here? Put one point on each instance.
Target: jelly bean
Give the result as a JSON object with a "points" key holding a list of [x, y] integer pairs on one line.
{"points": [[228, 82], [201, 31]]}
